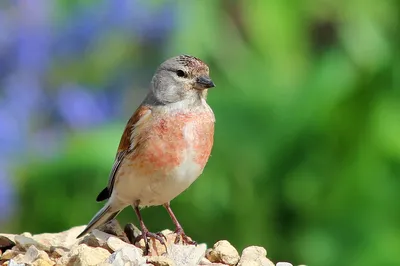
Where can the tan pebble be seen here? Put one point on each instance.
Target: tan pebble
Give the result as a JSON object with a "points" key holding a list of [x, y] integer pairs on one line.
{"points": [[89, 256], [205, 261], [42, 262], [115, 243], [156, 248], [250, 263], [223, 252], [57, 253], [9, 254], [254, 255], [19, 257], [160, 261]]}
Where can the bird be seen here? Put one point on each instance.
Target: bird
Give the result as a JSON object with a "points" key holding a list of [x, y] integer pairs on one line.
{"points": [[165, 145]]}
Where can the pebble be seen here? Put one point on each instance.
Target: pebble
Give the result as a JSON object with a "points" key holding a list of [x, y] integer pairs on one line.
{"points": [[254, 255], [129, 255], [223, 252]]}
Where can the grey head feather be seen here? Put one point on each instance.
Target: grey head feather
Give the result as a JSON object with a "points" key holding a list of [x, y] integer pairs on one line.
{"points": [[176, 80]]}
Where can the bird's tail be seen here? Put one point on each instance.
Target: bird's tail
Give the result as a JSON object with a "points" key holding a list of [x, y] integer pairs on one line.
{"points": [[106, 214]]}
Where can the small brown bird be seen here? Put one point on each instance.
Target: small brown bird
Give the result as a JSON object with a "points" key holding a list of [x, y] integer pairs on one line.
{"points": [[165, 145]]}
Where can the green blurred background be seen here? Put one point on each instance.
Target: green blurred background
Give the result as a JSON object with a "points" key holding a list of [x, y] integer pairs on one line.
{"points": [[306, 160]]}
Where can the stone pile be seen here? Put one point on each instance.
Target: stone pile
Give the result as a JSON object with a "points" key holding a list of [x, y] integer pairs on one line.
{"points": [[102, 248]]}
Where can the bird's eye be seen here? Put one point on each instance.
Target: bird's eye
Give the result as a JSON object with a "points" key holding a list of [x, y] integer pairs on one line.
{"points": [[180, 73]]}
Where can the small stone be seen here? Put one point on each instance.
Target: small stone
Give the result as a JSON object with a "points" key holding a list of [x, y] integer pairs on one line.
{"points": [[19, 258], [284, 264], [14, 263], [129, 255], [43, 256], [9, 254], [26, 234], [65, 239], [155, 247], [254, 252], [42, 262], [18, 249], [9, 236], [96, 239], [254, 255], [25, 242], [84, 255], [160, 261], [115, 243], [6, 243], [223, 252], [266, 262], [32, 255], [131, 232], [205, 261], [104, 263], [167, 232], [57, 252], [186, 255], [46, 241], [251, 263], [115, 229]]}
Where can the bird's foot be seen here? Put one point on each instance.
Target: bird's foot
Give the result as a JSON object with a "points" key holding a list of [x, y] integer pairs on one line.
{"points": [[181, 236], [146, 235]]}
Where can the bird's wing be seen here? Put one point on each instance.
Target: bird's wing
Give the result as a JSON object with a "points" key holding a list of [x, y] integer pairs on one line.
{"points": [[130, 141]]}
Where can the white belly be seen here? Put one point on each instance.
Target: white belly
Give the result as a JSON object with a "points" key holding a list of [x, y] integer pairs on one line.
{"points": [[156, 189]]}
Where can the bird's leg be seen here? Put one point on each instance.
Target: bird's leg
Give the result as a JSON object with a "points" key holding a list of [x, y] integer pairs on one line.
{"points": [[180, 234], [145, 232]]}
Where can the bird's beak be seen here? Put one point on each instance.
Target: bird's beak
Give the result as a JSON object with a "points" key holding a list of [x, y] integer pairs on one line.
{"points": [[204, 82]]}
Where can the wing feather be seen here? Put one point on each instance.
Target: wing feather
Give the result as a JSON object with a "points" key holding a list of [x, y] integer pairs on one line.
{"points": [[130, 141]]}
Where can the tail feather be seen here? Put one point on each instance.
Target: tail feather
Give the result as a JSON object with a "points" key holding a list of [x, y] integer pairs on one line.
{"points": [[103, 216]]}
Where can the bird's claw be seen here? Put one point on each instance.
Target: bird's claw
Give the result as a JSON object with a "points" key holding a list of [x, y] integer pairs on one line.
{"points": [[148, 235], [181, 236]]}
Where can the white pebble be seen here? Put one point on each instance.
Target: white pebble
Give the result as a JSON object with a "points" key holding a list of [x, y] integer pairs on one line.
{"points": [[284, 264]]}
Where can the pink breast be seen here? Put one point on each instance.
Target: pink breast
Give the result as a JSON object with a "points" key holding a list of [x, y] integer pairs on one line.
{"points": [[165, 142]]}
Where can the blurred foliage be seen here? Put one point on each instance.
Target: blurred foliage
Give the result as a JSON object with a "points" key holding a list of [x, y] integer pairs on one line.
{"points": [[306, 160]]}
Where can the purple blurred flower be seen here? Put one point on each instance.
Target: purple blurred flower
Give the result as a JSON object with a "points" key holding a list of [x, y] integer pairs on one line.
{"points": [[23, 93], [150, 22], [78, 107], [10, 133], [33, 35], [74, 37], [153, 23], [21, 98]]}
